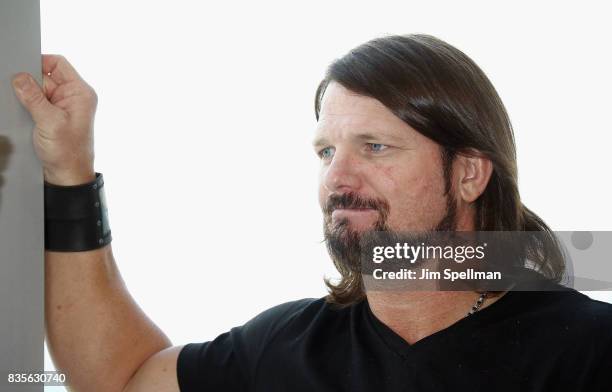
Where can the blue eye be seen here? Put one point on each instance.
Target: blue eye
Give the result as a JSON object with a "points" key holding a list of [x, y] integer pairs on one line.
{"points": [[326, 153], [377, 147]]}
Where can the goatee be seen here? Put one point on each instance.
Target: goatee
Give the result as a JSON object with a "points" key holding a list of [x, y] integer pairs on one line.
{"points": [[344, 244]]}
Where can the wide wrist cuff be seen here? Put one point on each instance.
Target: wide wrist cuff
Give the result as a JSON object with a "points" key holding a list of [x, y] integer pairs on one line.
{"points": [[76, 217]]}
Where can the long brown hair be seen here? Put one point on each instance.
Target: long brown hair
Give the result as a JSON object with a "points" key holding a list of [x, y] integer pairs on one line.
{"points": [[441, 93]]}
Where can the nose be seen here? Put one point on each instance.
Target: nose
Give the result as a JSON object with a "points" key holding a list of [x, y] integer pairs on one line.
{"points": [[342, 174]]}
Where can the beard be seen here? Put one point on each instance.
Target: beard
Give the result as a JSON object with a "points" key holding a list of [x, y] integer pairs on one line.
{"points": [[345, 244]]}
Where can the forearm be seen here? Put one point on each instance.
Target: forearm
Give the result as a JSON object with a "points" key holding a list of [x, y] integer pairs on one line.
{"points": [[96, 333]]}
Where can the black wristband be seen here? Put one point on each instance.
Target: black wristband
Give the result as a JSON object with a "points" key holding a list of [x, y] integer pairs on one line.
{"points": [[76, 217]]}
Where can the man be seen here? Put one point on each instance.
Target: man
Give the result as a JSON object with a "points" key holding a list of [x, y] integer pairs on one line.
{"points": [[412, 137]]}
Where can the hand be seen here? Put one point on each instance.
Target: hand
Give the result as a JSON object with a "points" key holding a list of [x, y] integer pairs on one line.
{"points": [[63, 111]]}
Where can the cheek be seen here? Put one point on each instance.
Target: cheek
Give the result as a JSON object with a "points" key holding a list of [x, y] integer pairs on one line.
{"points": [[322, 196], [323, 193], [387, 176], [416, 197]]}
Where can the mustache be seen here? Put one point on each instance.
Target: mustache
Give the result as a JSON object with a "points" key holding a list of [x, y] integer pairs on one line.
{"points": [[352, 200]]}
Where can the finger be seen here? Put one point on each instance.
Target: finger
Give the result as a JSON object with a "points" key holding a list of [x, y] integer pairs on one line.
{"points": [[69, 90], [49, 87], [32, 97], [59, 69]]}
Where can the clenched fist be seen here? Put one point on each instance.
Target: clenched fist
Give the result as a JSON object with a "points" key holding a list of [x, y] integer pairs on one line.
{"points": [[63, 111]]}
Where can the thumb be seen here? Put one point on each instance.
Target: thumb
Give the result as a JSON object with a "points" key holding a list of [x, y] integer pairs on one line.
{"points": [[32, 97]]}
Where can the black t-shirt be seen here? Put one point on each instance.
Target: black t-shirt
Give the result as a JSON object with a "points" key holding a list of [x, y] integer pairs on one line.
{"points": [[525, 341]]}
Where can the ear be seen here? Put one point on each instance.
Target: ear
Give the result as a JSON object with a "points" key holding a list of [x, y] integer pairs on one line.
{"points": [[472, 171]]}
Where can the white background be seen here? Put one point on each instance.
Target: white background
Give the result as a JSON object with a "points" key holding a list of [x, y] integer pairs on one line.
{"points": [[205, 120]]}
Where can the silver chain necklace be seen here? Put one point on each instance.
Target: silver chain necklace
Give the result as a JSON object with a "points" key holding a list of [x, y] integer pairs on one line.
{"points": [[478, 303]]}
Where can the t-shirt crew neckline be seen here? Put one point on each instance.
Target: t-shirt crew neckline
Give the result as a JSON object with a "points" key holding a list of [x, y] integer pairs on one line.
{"points": [[401, 347]]}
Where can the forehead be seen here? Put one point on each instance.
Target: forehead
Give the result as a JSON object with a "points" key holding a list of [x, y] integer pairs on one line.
{"points": [[343, 109]]}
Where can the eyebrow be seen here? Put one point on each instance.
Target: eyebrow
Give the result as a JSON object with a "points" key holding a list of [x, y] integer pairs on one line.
{"points": [[320, 141]]}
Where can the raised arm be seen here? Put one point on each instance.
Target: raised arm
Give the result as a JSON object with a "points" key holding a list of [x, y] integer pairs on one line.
{"points": [[96, 333]]}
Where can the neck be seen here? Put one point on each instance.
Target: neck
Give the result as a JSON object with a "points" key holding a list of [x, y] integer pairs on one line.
{"points": [[415, 315]]}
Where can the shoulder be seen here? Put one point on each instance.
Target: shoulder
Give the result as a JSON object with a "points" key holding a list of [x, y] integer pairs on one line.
{"points": [[587, 324], [277, 316], [556, 314], [568, 303], [268, 323], [589, 312], [559, 302], [294, 320], [285, 310], [569, 317], [229, 362], [578, 305]]}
